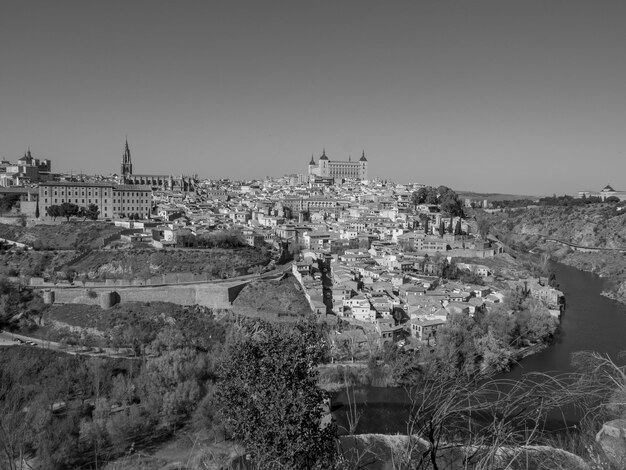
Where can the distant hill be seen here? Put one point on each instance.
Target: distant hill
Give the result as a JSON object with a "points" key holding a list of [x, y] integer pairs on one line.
{"points": [[494, 196]]}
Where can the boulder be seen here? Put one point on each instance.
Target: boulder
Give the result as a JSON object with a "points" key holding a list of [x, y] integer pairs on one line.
{"points": [[388, 452], [612, 439]]}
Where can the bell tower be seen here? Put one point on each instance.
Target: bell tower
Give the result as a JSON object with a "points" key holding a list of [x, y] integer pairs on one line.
{"points": [[127, 165]]}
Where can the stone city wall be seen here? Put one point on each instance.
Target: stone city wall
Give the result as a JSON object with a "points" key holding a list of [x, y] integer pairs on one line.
{"points": [[208, 295]]}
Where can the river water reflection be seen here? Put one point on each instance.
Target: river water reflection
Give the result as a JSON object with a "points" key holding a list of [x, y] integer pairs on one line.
{"points": [[589, 322]]}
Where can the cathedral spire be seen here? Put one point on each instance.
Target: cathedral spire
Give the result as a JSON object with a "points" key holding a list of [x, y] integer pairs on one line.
{"points": [[127, 165]]}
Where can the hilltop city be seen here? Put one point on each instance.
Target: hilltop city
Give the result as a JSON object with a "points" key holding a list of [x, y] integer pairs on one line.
{"points": [[401, 257]]}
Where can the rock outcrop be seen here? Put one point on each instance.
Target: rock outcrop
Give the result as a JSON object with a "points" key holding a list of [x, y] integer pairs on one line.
{"points": [[612, 439], [387, 452]]}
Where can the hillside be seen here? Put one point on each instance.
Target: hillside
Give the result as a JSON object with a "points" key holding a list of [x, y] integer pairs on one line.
{"points": [[494, 196], [64, 236], [592, 225], [216, 262], [33, 263]]}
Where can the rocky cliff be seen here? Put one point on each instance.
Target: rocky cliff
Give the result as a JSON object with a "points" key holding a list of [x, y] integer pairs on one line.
{"points": [[598, 226]]}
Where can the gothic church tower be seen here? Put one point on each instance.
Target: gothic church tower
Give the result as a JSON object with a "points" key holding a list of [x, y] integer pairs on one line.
{"points": [[127, 166]]}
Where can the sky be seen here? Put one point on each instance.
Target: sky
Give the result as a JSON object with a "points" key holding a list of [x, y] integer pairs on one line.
{"points": [[521, 97]]}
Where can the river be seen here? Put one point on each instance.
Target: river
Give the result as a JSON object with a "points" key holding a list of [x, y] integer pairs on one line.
{"points": [[589, 322]]}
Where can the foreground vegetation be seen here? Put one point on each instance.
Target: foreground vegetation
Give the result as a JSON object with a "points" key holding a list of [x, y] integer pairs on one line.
{"points": [[65, 411], [258, 383]]}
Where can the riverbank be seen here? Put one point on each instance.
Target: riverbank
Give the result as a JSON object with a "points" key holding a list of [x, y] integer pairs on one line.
{"points": [[340, 376], [609, 266]]}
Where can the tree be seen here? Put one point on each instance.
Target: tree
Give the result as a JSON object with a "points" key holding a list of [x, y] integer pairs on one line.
{"points": [[535, 323], [457, 227], [92, 212], [68, 210], [450, 204], [449, 270], [53, 211], [500, 324], [7, 202], [423, 221], [456, 351], [552, 282], [442, 228], [268, 397], [419, 196], [431, 196], [442, 191], [484, 225]]}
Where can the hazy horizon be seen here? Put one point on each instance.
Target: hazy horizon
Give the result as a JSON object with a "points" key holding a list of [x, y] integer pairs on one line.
{"points": [[487, 96]]}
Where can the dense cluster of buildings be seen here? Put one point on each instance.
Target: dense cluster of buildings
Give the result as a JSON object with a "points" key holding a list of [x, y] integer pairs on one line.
{"points": [[25, 171], [385, 254]]}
